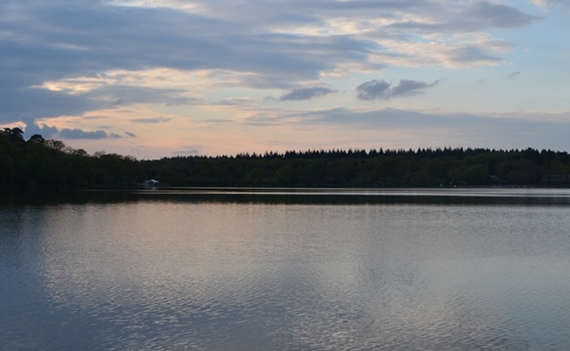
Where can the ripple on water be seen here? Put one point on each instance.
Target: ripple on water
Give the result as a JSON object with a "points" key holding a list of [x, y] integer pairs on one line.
{"points": [[249, 276]]}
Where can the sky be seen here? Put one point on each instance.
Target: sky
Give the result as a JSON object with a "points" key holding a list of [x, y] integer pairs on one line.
{"points": [[152, 79]]}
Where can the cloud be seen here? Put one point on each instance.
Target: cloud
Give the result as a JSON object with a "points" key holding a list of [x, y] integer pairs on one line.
{"points": [[546, 3], [512, 75], [414, 128], [131, 135], [373, 90], [409, 87], [67, 133], [189, 150], [18, 102], [474, 16], [381, 90], [402, 119], [238, 101], [483, 14], [305, 93], [470, 55], [32, 127], [152, 120], [70, 57]]}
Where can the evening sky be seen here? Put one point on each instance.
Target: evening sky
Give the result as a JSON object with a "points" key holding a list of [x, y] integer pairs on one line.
{"points": [[153, 78]]}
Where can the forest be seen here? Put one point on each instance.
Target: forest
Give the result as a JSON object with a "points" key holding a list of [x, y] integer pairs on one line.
{"points": [[39, 162]]}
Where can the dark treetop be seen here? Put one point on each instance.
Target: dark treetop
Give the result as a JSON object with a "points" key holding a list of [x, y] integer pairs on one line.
{"points": [[39, 162]]}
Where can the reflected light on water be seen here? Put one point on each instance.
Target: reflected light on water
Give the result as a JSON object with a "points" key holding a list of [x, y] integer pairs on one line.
{"points": [[175, 275]]}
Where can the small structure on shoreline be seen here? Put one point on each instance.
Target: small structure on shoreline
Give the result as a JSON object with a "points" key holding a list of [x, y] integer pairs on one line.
{"points": [[150, 183]]}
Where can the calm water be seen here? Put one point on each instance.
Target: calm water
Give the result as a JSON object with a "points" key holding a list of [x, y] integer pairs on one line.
{"points": [[280, 270]]}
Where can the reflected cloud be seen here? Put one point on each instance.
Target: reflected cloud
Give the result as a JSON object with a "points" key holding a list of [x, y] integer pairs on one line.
{"points": [[346, 276]]}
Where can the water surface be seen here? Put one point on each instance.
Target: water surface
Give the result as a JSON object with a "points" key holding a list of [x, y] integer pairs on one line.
{"points": [[262, 269]]}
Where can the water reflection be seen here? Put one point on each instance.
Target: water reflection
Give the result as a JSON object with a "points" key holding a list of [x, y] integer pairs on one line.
{"points": [[177, 272], [444, 196]]}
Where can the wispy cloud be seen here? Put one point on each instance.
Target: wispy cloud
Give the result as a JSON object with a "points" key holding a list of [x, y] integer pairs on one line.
{"points": [[152, 120], [89, 56], [67, 133], [453, 128], [512, 75], [473, 16], [32, 127], [189, 150], [182, 65], [546, 3], [382, 90], [306, 93]]}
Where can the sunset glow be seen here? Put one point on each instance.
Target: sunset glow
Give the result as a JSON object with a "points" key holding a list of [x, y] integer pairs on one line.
{"points": [[158, 79]]}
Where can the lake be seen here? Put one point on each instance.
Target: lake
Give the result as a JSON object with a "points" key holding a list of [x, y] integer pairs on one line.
{"points": [[286, 269]]}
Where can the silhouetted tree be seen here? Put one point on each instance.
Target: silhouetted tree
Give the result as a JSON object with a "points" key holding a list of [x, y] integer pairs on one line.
{"points": [[36, 139]]}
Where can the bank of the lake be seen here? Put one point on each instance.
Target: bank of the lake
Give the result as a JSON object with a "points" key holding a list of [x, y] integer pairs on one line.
{"points": [[39, 163]]}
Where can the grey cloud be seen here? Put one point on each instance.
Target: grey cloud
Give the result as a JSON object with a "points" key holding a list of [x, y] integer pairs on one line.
{"points": [[409, 87], [306, 93], [190, 150], [18, 102], [66, 133], [384, 118], [484, 15], [119, 95], [178, 34], [152, 120], [187, 152], [218, 121], [86, 39], [237, 101], [512, 75], [461, 128], [493, 131], [388, 118], [32, 127], [471, 55], [49, 41], [381, 90], [373, 90], [131, 135], [475, 16]]}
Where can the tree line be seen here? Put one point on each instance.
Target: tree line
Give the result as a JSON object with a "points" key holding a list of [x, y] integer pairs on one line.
{"points": [[47, 162]]}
